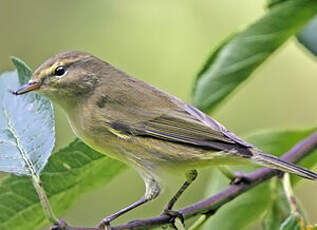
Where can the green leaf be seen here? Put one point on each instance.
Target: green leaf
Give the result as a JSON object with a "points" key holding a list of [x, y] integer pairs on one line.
{"points": [[236, 59], [271, 3], [70, 172], [273, 217], [239, 211], [291, 223], [27, 133], [278, 208], [24, 71]]}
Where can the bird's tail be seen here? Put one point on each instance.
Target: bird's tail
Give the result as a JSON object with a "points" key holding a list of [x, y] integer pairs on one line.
{"points": [[276, 163]]}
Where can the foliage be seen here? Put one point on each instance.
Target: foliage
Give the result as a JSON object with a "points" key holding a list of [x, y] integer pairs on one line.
{"points": [[24, 71], [76, 168], [234, 61], [25, 144], [71, 171]]}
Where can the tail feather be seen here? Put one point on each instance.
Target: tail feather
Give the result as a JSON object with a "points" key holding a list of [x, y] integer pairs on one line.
{"points": [[276, 163]]}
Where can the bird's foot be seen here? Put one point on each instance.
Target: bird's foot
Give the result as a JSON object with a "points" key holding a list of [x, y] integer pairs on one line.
{"points": [[105, 223], [61, 225], [173, 216], [280, 174], [240, 178]]}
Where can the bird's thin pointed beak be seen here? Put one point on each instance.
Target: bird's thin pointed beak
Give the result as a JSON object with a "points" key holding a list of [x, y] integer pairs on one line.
{"points": [[27, 88]]}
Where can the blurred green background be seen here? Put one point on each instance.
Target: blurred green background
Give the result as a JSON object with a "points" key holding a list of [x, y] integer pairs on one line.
{"points": [[163, 42]]}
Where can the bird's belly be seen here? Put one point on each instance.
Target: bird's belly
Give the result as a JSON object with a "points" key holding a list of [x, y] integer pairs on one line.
{"points": [[151, 153], [158, 154]]}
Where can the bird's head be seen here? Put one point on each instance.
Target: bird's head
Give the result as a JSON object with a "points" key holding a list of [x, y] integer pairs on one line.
{"points": [[65, 76]]}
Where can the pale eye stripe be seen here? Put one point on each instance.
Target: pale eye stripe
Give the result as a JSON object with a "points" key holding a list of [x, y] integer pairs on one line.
{"points": [[50, 70]]}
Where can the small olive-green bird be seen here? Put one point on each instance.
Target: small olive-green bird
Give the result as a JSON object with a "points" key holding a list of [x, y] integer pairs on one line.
{"points": [[143, 126]]}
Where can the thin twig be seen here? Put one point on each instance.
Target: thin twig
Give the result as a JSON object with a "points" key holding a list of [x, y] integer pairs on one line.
{"points": [[212, 204], [44, 200]]}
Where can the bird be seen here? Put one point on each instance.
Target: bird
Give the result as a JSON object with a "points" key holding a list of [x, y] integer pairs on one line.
{"points": [[144, 127]]}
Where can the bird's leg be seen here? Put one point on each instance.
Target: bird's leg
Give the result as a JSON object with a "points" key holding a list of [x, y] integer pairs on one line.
{"points": [[152, 191], [190, 177], [105, 223]]}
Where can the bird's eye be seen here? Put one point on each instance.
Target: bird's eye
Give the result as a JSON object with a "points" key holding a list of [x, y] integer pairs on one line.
{"points": [[60, 71]]}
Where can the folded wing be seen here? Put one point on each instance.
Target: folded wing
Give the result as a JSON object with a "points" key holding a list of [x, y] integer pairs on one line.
{"points": [[189, 126]]}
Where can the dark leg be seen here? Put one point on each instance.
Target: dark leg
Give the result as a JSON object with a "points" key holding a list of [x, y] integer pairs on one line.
{"points": [[105, 223], [152, 191], [190, 177]]}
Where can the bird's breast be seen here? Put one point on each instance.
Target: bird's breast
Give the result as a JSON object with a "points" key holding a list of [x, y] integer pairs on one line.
{"points": [[94, 133]]}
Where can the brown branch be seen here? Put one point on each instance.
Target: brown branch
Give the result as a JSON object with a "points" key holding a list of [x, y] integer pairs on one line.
{"points": [[212, 204]]}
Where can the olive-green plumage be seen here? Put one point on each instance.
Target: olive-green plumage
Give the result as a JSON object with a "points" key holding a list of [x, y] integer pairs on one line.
{"points": [[139, 124]]}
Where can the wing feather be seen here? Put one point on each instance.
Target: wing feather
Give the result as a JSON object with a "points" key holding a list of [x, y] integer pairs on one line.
{"points": [[186, 126]]}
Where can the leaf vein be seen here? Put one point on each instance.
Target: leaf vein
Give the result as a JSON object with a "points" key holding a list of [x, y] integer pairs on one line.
{"points": [[18, 144]]}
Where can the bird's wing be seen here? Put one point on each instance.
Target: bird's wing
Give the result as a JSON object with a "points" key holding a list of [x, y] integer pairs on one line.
{"points": [[186, 125]]}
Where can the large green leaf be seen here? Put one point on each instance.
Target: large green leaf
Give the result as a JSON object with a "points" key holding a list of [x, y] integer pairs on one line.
{"points": [[238, 57], [249, 207], [69, 173], [27, 133]]}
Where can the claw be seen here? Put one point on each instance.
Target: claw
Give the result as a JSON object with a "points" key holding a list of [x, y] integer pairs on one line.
{"points": [[61, 225], [55, 227], [173, 215], [104, 224]]}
